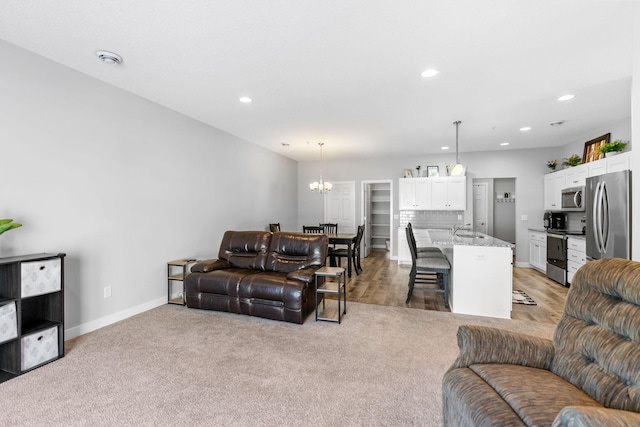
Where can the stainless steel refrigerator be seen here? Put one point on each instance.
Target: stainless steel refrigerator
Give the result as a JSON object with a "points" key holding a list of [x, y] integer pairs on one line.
{"points": [[608, 216]]}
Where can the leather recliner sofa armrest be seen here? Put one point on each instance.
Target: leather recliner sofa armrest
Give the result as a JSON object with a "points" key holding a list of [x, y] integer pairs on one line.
{"points": [[209, 265], [305, 275], [593, 416], [481, 344]]}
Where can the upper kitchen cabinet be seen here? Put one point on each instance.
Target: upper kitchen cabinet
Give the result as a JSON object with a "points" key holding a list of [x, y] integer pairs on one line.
{"points": [[553, 185], [433, 194], [414, 193], [617, 163], [449, 193], [576, 176]]}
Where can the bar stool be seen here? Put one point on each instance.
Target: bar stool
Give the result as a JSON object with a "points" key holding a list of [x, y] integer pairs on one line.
{"points": [[432, 269]]}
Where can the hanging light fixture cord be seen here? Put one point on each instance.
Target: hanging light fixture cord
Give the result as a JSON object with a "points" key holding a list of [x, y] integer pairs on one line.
{"points": [[457, 123]]}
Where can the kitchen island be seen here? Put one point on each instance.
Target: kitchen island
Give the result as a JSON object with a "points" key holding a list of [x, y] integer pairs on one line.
{"points": [[481, 279]]}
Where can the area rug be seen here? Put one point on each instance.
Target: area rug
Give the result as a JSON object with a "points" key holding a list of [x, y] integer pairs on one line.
{"points": [[520, 297]]}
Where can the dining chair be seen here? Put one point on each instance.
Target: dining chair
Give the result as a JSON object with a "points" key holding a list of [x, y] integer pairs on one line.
{"points": [[274, 227], [338, 254], [427, 270], [312, 229], [330, 228]]}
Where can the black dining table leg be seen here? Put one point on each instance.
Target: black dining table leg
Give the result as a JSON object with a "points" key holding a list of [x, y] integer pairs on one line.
{"points": [[349, 259]]}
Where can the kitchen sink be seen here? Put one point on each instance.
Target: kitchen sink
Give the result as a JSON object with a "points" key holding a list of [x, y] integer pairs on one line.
{"points": [[470, 235]]}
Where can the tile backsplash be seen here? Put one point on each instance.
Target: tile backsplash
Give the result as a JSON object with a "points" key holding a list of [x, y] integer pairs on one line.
{"points": [[430, 219]]}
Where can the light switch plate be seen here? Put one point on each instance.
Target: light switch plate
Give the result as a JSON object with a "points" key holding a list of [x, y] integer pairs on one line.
{"points": [[524, 217]]}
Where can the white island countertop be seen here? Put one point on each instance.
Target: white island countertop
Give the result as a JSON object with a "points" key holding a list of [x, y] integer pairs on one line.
{"points": [[445, 238]]}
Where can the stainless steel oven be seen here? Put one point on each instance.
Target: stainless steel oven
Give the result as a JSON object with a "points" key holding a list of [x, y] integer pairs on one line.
{"points": [[557, 257]]}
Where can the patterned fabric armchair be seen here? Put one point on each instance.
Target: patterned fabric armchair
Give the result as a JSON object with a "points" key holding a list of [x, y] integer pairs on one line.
{"points": [[589, 375]]}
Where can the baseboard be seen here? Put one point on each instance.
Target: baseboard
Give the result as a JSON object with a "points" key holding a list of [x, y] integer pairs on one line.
{"points": [[523, 264], [85, 328]]}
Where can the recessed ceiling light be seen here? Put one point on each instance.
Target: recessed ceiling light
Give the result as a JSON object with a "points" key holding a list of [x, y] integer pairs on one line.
{"points": [[109, 57], [430, 73], [246, 99], [504, 143], [566, 97], [444, 148], [525, 129]]}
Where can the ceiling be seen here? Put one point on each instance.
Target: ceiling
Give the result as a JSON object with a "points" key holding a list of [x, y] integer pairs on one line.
{"points": [[348, 72]]}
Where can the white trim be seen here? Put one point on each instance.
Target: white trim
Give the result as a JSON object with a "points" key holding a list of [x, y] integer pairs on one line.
{"points": [[85, 328]]}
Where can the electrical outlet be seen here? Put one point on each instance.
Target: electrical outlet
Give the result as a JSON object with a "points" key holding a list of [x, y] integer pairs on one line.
{"points": [[524, 218], [107, 291]]}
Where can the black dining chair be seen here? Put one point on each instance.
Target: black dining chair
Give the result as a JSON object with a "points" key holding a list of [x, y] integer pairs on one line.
{"points": [[312, 229], [274, 227], [427, 270], [338, 254], [330, 228]]}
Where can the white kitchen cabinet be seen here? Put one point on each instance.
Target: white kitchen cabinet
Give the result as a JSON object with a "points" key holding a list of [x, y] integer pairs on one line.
{"points": [[449, 193], [553, 184], [414, 193], [538, 250], [616, 163], [576, 176], [576, 255]]}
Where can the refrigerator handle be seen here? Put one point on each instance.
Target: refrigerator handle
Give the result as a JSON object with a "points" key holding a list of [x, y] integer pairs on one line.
{"points": [[605, 218], [596, 217]]}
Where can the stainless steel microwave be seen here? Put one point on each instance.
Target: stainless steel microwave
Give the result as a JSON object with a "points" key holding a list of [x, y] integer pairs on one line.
{"points": [[573, 199]]}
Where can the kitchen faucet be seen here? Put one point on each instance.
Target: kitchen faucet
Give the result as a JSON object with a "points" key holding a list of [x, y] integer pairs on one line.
{"points": [[457, 228]]}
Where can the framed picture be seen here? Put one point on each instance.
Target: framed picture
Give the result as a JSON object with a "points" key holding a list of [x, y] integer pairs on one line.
{"points": [[591, 152], [433, 171], [407, 173]]}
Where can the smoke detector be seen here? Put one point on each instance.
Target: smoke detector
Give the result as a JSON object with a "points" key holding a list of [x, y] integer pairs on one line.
{"points": [[109, 57]]}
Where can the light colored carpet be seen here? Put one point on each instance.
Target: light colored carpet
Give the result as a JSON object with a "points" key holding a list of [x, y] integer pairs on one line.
{"points": [[173, 365]]}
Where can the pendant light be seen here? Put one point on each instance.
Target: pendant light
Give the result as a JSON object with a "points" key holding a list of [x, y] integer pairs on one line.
{"points": [[320, 187], [458, 169]]}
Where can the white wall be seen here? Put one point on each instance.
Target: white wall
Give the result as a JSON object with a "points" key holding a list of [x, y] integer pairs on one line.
{"points": [[122, 185], [527, 166]]}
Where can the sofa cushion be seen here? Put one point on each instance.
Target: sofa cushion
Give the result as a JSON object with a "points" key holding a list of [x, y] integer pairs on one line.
{"points": [[219, 282], [294, 251], [245, 249], [536, 395], [272, 286]]}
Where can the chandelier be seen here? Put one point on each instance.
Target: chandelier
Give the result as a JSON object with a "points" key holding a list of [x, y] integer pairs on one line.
{"points": [[320, 186]]}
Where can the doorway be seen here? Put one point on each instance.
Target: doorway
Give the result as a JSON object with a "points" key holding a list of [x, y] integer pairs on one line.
{"points": [[377, 214], [494, 207]]}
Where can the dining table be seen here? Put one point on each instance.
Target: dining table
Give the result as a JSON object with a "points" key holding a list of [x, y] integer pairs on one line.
{"points": [[347, 239]]}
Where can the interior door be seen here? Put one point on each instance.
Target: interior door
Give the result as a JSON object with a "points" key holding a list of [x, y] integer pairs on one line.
{"points": [[480, 208], [340, 206]]}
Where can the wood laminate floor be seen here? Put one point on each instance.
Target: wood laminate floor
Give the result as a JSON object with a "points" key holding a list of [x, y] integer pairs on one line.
{"points": [[383, 282]]}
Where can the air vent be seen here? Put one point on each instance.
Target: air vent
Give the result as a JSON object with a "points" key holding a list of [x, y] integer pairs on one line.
{"points": [[109, 57]]}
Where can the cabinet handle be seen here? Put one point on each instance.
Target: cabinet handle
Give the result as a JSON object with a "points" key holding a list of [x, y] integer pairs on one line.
{"points": [[42, 267]]}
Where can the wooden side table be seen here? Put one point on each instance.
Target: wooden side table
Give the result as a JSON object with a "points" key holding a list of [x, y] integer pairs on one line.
{"points": [[182, 265], [335, 288]]}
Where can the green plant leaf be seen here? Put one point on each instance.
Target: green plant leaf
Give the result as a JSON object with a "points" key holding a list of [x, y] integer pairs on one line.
{"points": [[6, 226], [5, 221]]}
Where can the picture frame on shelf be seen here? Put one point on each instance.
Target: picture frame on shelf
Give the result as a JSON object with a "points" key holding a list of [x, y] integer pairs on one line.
{"points": [[591, 152], [433, 171]]}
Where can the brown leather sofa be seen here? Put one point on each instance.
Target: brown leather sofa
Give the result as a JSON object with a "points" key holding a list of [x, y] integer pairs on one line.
{"points": [[588, 375], [260, 273]]}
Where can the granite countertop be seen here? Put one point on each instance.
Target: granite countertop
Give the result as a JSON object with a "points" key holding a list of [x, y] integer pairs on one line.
{"points": [[540, 229], [444, 238]]}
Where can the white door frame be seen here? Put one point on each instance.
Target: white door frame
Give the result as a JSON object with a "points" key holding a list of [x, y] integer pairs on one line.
{"points": [[362, 219]]}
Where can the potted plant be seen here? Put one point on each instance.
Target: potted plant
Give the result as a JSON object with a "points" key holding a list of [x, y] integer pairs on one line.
{"points": [[572, 160], [552, 164], [8, 224], [612, 148]]}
